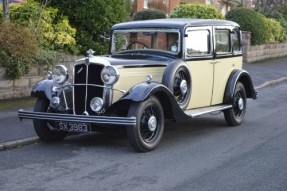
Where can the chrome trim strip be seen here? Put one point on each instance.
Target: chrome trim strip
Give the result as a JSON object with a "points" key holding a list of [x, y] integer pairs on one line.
{"points": [[65, 99], [95, 85], [129, 121], [206, 110], [87, 77]]}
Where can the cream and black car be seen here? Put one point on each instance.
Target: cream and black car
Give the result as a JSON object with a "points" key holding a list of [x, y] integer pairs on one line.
{"points": [[157, 69]]}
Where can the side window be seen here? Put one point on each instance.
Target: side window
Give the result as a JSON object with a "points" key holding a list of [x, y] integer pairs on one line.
{"points": [[235, 38], [222, 42], [198, 43]]}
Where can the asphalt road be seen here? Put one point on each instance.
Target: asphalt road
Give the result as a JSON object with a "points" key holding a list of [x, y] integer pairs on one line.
{"points": [[201, 154]]}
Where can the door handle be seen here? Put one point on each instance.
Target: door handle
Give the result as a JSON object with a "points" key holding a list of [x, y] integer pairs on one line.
{"points": [[215, 62]]}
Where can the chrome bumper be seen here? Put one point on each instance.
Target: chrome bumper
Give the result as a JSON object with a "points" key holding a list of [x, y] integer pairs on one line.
{"points": [[108, 120]]}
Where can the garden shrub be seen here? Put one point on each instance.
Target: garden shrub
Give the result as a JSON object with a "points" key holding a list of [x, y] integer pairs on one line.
{"points": [[277, 14], [51, 28], [196, 10], [252, 21], [18, 49], [277, 31], [149, 14], [92, 18]]}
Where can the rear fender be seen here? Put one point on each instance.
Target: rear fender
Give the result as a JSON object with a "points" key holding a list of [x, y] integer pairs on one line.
{"points": [[239, 75]]}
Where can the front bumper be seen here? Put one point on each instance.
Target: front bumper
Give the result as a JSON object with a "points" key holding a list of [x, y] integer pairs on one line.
{"points": [[108, 120]]}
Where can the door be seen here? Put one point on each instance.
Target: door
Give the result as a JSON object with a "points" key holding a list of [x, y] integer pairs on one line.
{"points": [[198, 54], [228, 56]]}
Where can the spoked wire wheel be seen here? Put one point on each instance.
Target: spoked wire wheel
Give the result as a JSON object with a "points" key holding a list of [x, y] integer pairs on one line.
{"points": [[236, 114], [181, 86], [148, 130], [177, 79]]}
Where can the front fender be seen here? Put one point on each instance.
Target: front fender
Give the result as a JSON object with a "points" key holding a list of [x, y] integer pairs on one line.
{"points": [[145, 90], [43, 89], [243, 77]]}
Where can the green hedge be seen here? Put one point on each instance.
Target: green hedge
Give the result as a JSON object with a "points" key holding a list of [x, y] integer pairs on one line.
{"points": [[196, 10], [149, 14], [252, 21]]}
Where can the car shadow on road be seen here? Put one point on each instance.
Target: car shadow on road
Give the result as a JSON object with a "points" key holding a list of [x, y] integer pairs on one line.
{"points": [[174, 132]]}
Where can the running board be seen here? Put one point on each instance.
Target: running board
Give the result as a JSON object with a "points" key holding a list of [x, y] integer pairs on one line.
{"points": [[205, 110]]}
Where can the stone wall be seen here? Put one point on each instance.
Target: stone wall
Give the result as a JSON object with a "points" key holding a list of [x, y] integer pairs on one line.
{"points": [[261, 52], [22, 87]]}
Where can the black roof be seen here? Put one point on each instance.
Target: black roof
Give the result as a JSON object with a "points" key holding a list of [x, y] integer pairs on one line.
{"points": [[179, 23]]}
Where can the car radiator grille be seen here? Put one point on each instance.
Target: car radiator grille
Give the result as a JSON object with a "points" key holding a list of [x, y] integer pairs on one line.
{"points": [[84, 77]]}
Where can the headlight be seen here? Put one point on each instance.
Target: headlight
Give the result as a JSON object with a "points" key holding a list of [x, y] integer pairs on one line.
{"points": [[60, 74], [109, 75], [96, 104]]}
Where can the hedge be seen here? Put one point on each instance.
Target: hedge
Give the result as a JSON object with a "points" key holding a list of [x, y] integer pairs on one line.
{"points": [[196, 10]]}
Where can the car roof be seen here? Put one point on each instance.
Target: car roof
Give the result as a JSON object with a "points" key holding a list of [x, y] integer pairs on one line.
{"points": [[179, 23]]}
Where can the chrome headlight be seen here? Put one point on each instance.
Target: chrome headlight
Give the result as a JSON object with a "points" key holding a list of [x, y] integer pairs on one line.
{"points": [[109, 75], [60, 74], [96, 104]]}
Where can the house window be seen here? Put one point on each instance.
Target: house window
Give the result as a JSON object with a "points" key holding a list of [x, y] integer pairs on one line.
{"points": [[145, 4], [209, 2]]}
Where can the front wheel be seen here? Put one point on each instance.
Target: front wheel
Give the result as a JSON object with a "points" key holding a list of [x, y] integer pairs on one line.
{"points": [[235, 115], [42, 127], [149, 127]]}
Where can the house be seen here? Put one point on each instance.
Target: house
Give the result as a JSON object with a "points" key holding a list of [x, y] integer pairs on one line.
{"points": [[223, 5], [139, 5]]}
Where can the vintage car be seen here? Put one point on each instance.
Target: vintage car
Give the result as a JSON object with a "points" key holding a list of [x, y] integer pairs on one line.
{"points": [[155, 70]]}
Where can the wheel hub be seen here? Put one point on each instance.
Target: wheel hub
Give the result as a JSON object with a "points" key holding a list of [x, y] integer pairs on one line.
{"points": [[152, 123], [183, 87], [240, 104]]}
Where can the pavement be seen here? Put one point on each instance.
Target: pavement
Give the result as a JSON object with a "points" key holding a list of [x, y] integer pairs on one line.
{"points": [[14, 133]]}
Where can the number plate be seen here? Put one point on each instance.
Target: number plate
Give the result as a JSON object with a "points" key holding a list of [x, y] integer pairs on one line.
{"points": [[73, 127]]}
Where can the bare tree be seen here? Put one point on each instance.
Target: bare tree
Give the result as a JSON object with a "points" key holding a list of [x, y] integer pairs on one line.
{"points": [[5, 9], [262, 5]]}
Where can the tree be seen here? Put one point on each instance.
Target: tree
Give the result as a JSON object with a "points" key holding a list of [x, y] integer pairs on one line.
{"points": [[265, 5], [5, 10], [92, 18]]}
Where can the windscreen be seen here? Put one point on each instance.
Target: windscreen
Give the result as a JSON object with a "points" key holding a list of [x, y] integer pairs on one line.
{"points": [[164, 40]]}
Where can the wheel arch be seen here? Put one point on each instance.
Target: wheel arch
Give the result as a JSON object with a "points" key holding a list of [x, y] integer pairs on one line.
{"points": [[239, 75], [43, 89], [144, 91]]}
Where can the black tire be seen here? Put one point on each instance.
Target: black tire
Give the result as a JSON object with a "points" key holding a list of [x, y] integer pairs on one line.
{"points": [[236, 114], [148, 131], [174, 76], [42, 127]]}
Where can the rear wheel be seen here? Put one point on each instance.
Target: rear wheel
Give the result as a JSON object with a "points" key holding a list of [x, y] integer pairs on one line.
{"points": [[148, 131], [236, 114], [43, 127]]}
